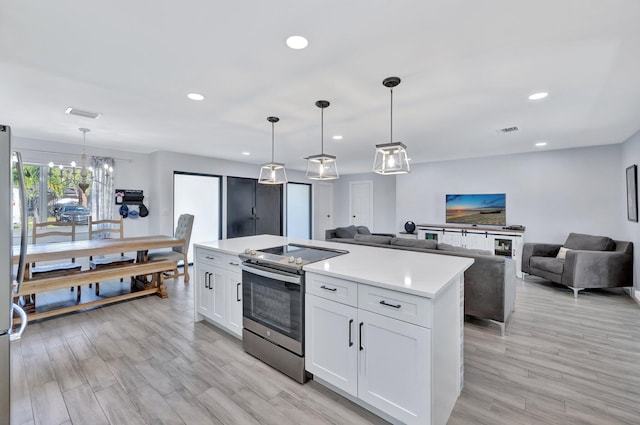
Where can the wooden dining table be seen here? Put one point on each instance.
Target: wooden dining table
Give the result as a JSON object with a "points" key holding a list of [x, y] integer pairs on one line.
{"points": [[138, 271]]}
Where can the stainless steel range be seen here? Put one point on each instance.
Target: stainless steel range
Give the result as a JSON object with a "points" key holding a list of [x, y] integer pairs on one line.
{"points": [[273, 304]]}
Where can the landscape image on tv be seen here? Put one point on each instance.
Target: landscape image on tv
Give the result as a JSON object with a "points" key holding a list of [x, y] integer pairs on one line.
{"points": [[483, 209]]}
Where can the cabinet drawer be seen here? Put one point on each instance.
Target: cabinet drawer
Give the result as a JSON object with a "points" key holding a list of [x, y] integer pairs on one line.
{"points": [[331, 288], [232, 263], [213, 258], [401, 306]]}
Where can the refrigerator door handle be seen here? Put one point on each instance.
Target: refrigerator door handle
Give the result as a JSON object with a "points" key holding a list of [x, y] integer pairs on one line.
{"points": [[23, 323], [24, 225]]}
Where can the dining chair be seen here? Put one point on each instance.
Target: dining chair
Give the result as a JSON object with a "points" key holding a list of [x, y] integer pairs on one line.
{"points": [[107, 229], [177, 253], [62, 232]]}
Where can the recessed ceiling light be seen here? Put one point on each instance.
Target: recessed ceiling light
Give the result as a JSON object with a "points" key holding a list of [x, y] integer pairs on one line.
{"points": [[297, 42], [541, 144], [246, 153], [337, 137], [195, 96], [538, 96]]}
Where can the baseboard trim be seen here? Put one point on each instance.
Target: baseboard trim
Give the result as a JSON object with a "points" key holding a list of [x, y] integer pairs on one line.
{"points": [[633, 293]]}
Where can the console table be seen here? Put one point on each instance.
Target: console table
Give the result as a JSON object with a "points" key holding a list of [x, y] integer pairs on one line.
{"points": [[499, 241]]}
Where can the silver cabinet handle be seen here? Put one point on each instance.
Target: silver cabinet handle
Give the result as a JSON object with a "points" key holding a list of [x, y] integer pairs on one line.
{"points": [[238, 291], [23, 323], [234, 264]]}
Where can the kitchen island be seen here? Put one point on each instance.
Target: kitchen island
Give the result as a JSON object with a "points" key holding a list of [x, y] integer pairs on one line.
{"points": [[382, 327]]}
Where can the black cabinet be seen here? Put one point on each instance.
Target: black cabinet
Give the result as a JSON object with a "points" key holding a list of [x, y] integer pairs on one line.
{"points": [[253, 208]]}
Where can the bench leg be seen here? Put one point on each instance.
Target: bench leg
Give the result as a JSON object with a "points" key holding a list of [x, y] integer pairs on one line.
{"points": [[162, 288]]}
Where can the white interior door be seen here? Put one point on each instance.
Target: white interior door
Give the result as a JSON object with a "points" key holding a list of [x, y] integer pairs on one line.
{"points": [[361, 203], [323, 209], [198, 195]]}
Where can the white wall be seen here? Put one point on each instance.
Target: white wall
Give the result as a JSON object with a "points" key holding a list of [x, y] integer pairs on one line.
{"points": [[163, 164], [552, 193], [631, 230], [384, 198]]}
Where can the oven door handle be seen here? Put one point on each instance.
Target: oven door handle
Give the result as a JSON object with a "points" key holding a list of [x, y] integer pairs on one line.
{"points": [[283, 277]]}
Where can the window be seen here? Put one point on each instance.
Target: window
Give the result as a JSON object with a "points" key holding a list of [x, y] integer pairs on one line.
{"points": [[48, 190], [200, 195], [299, 210]]}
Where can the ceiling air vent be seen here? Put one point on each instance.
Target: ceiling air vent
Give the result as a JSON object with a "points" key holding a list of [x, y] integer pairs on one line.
{"points": [[81, 113], [508, 130]]}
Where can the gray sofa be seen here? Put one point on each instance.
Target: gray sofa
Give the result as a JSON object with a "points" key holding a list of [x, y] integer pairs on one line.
{"points": [[489, 284], [585, 261], [349, 232]]}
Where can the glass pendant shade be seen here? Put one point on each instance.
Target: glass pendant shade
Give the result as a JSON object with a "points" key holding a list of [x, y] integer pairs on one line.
{"points": [[391, 158], [272, 172], [322, 166]]}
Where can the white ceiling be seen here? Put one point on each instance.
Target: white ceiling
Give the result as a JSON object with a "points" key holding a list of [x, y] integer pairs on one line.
{"points": [[467, 68]]}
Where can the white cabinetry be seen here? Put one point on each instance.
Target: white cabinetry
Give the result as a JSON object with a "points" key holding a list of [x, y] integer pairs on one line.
{"points": [[503, 242], [373, 344], [218, 296]]}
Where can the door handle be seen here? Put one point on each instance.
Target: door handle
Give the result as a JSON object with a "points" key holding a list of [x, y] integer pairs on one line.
{"points": [[350, 341], [206, 280], [354, 216], [209, 278], [360, 336], [238, 292]]}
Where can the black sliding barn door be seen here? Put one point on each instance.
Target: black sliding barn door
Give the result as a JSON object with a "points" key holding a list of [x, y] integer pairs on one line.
{"points": [[253, 208]]}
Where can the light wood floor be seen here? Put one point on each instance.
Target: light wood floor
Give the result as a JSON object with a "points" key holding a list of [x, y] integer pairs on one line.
{"points": [[146, 362]]}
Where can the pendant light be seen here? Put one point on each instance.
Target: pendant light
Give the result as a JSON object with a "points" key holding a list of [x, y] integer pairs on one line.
{"points": [[273, 172], [391, 158], [84, 185], [322, 166]]}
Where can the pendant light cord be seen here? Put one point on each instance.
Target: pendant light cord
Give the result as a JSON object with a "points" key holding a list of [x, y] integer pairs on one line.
{"points": [[322, 131], [272, 142], [391, 126]]}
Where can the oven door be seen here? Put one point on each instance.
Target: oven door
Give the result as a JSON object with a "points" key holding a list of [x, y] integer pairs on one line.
{"points": [[273, 305]]}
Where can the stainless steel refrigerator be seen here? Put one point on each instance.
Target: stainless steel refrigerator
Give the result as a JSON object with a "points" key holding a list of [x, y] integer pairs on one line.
{"points": [[10, 281]]}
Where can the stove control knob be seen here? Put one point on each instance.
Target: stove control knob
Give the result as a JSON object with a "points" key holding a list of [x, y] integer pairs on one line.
{"points": [[299, 260], [292, 259], [253, 252], [247, 250]]}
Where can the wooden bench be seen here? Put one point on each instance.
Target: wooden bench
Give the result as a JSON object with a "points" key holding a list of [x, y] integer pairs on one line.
{"points": [[137, 271]]}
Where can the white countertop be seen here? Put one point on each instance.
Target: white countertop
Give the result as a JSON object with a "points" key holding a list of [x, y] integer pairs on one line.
{"points": [[417, 273]]}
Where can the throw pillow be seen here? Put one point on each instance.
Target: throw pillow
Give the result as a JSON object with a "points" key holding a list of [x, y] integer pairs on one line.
{"points": [[562, 254], [589, 242], [383, 240], [415, 243], [346, 232], [363, 230]]}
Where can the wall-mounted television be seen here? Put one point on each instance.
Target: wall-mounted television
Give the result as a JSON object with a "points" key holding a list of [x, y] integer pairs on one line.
{"points": [[478, 209]]}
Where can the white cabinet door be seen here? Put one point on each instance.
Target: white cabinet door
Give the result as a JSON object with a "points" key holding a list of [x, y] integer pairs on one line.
{"points": [[202, 288], [218, 301], [394, 369], [331, 346], [234, 302], [477, 241], [451, 237]]}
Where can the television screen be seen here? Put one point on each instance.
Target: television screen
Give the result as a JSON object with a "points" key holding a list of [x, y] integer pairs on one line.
{"points": [[485, 209]]}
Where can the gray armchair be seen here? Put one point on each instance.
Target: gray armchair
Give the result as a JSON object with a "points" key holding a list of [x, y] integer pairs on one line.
{"points": [[589, 262]]}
